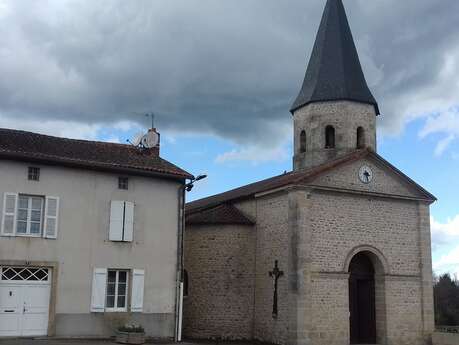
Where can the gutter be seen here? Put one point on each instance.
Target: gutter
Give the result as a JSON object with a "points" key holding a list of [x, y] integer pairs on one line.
{"points": [[94, 166]]}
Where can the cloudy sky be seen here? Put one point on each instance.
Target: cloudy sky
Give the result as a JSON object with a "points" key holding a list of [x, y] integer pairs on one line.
{"points": [[221, 76]]}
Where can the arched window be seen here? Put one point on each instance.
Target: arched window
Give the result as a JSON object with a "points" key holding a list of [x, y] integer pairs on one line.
{"points": [[329, 137], [303, 141], [360, 138], [185, 283]]}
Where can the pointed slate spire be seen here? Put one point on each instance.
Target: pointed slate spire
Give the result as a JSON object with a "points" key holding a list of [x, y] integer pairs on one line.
{"points": [[334, 71]]}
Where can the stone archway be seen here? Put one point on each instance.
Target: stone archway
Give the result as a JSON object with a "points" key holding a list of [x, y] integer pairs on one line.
{"points": [[368, 268]]}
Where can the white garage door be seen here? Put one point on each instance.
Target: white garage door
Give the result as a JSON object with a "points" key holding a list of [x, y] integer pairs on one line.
{"points": [[24, 301]]}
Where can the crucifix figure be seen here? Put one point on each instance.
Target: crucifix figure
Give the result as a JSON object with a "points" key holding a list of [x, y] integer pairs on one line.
{"points": [[275, 274]]}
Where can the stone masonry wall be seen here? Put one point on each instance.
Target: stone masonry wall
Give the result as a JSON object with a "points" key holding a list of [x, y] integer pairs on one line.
{"points": [[345, 117], [272, 244], [341, 222], [385, 181], [220, 261]]}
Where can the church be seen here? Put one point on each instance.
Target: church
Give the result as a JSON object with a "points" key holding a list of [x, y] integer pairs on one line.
{"points": [[335, 252]]}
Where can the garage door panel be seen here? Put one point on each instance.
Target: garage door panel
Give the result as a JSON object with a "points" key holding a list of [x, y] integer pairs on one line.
{"points": [[24, 304], [36, 297], [10, 296], [9, 324], [34, 324], [10, 310]]}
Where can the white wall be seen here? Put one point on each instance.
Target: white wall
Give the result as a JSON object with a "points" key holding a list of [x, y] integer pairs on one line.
{"points": [[82, 242]]}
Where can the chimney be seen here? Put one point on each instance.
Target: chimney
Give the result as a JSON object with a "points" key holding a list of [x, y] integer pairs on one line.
{"points": [[155, 149]]}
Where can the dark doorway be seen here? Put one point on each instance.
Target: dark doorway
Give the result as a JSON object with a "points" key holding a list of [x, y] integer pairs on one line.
{"points": [[362, 300]]}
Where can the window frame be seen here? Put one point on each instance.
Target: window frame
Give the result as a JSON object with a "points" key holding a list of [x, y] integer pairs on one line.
{"points": [[29, 221], [33, 174], [123, 183], [115, 307]]}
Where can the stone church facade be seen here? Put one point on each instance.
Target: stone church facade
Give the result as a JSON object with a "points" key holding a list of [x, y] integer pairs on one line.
{"points": [[335, 252]]}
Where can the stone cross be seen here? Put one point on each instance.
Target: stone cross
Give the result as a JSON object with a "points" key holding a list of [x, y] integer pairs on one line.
{"points": [[275, 274]]}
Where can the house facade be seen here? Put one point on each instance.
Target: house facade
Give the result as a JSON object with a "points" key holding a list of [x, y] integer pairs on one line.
{"points": [[89, 237], [335, 252]]}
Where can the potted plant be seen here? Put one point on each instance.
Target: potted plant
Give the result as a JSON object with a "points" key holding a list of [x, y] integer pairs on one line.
{"points": [[130, 334]]}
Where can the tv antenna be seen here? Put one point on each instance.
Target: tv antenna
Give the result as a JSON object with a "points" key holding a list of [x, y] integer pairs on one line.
{"points": [[146, 140], [152, 116]]}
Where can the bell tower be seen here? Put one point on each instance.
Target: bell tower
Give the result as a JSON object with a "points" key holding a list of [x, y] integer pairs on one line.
{"points": [[335, 111]]}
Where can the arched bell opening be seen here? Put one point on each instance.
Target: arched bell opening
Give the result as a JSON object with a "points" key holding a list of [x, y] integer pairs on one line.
{"points": [[303, 141], [361, 138], [329, 137]]}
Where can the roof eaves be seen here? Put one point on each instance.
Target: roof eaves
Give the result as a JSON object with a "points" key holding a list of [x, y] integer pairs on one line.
{"points": [[428, 196], [91, 165]]}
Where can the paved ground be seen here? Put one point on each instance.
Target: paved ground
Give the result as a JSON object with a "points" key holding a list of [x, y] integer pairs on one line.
{"points": [[52, 342], [12, 341]]}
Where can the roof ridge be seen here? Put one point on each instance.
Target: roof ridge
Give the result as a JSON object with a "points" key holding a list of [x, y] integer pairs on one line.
{"points": [[64, 138], [29, 146], [301, 174]]}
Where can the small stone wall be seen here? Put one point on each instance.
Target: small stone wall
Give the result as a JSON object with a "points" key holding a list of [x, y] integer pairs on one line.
{"points": [[439, 338]]}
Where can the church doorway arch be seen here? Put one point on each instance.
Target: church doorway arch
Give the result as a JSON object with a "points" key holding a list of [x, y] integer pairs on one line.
{"points": [[362, 305]]}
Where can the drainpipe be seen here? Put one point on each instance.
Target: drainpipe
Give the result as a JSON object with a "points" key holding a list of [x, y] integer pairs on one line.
{"points": [[179, 285], [180, 254]]}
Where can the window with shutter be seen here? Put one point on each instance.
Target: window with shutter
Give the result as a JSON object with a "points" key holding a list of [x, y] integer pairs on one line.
{"points": [[121, 221], [30, 215], [51, 217], [117, 290], [99, 283], [116, 220], [9, 214], [138, 281], [128, 233]]}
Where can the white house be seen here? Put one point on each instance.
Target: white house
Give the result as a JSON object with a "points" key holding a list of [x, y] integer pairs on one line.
{"points": [[90, 237]]}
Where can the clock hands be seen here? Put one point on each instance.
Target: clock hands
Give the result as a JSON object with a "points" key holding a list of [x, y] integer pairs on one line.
{"points": [[367, 176]]}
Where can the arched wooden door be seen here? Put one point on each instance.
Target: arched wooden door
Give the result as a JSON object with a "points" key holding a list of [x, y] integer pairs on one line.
{"points": [[362, 300]]}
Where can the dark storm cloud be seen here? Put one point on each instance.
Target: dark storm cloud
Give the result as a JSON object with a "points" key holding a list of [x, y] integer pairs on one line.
{"points": [[231, 68]]}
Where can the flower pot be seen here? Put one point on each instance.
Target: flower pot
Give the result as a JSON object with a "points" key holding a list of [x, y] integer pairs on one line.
{"points": [[130, 338]]}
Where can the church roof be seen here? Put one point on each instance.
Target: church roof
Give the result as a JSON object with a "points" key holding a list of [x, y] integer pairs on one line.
{"points": [[301, 177], [221, 214], [334, 71]]}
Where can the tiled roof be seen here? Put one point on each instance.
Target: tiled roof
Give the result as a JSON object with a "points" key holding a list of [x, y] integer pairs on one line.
{"points": [[93, 155], [334, 71], [295, 177], [221, 214]]}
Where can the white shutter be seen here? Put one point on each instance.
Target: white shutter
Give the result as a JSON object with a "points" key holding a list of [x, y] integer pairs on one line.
{"points": [[51, 217], [9, 214], [99, 286], [116, 221], [128, 221], [138, 278]]}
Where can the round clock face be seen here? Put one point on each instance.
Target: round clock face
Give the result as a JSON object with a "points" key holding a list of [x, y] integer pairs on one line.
{"points": [[365, 174]]}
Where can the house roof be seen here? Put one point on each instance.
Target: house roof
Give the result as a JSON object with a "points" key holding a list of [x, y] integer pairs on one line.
{"points": [[220, 214], [297, 177], [93, 155], [334, 71]]}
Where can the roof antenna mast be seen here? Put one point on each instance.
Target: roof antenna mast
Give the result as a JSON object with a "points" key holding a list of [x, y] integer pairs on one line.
{"points": [[152, 116]]}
